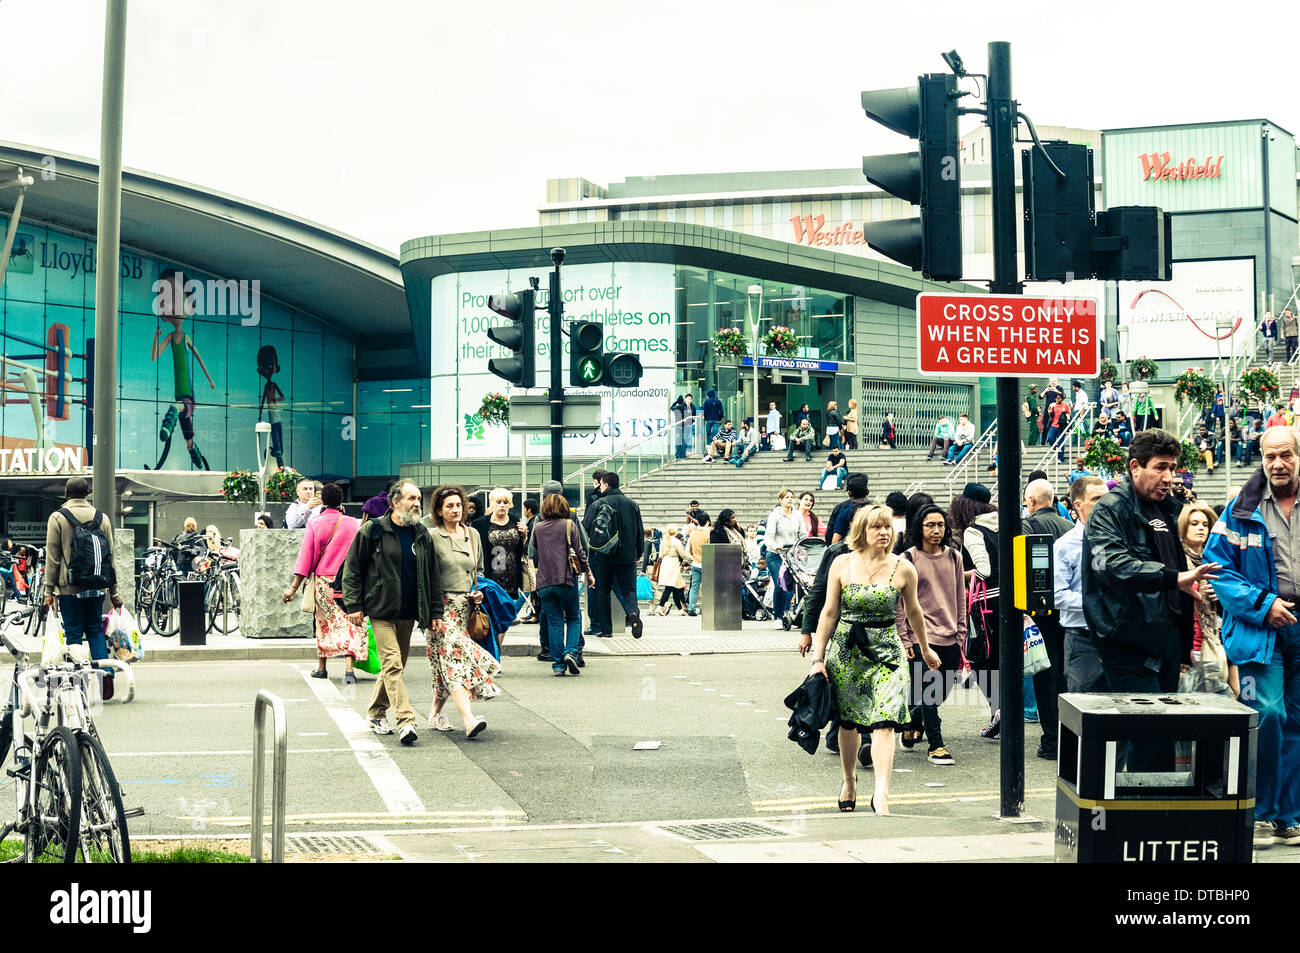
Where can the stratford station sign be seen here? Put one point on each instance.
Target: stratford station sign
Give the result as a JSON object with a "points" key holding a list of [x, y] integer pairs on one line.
{"points": [[1007, 336]]}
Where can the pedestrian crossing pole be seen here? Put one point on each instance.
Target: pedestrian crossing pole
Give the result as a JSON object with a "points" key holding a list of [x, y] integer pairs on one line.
{"points": [[555, 307], [1001, 119]]}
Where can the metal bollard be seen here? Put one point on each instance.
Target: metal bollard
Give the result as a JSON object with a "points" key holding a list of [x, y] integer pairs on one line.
{"points": [[279, 777]]}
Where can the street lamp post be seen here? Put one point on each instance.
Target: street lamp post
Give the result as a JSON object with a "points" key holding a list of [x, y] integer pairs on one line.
{"points": [[754, 318], [263, 464]]}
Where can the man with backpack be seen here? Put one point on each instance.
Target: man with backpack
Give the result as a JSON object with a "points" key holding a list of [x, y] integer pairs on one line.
{"points": [[615, 531], [79, 567]]}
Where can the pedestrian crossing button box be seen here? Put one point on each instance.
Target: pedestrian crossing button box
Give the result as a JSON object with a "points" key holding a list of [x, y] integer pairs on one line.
{"points": [[1150, 778], [1033, 569]]}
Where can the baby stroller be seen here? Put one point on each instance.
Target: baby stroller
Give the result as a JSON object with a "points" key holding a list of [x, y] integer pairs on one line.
{"points": [[753, 594], [800, 570]]}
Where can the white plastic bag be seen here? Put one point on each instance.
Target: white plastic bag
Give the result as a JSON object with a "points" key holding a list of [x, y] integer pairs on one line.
{"points": [[124, 636], [54, 646], [1035, 649]]}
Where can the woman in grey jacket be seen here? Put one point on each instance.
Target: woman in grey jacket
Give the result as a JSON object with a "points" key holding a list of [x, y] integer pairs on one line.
{"points": [[784, 529], [462, 670], [555, 536]]}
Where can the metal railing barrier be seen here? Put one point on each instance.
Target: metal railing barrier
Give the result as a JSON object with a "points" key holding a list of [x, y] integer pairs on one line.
{"points": [[279, 778]]}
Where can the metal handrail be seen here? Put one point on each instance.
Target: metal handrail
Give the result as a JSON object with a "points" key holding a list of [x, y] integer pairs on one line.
{"points": [[986, 439], [914, 487], [279, 778], [578, 477], [1050, 461]]}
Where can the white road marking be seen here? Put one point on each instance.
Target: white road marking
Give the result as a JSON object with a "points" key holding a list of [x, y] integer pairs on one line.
{"points": [[195, 754], [226, 704], [384, 774]]}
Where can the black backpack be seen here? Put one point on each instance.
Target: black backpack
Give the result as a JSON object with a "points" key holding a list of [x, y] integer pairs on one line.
{"points": [[603, 535], [90, 558]]}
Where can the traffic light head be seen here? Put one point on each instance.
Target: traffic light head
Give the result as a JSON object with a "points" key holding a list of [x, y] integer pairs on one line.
{"points": [[586, 354], [622, 370], [518, 337], [1059, 212], [929, 178]]}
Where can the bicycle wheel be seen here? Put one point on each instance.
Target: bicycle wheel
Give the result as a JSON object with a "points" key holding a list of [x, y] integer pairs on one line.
{"points": [[213, 596], [52, 831], [160, 615], [228, 599], [104, 835], [144, 596]]}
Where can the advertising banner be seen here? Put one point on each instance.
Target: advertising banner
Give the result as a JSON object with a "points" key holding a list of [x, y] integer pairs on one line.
{"points": [[1179, 319], [634, 301]]}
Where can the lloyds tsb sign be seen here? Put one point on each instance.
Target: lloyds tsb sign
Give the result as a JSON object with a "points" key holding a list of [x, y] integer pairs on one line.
{"points": [[46, 460]]}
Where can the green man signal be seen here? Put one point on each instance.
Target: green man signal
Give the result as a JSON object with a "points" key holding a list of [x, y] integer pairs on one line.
{"points": [[586, 354]]}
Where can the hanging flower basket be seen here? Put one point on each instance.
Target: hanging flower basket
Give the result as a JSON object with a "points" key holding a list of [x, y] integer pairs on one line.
{"points": [[282, 485], [239, 486], [495, 410], [1104, 453], [730, 344], [1189, 457], [1193, 387], [1142, 368], [1260, 384], [781, 342], [1108, 370]]}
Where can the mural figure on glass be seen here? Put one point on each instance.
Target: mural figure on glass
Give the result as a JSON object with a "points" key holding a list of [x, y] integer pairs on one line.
{"points": [[268, 364], [170, 306]]}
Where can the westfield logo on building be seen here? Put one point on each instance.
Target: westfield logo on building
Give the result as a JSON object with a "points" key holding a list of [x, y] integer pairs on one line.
{"points": [[811, 230], [1156, 165]]}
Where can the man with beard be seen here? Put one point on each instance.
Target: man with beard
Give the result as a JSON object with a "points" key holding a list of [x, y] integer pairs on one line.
{"points": [[390, 576], [1256, 540]]}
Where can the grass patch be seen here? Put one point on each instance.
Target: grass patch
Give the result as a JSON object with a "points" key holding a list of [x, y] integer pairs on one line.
{"points": [[11, 848]]}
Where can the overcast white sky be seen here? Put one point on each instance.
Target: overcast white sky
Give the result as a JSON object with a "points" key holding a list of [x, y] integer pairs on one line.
{"points": [[390, 120]]}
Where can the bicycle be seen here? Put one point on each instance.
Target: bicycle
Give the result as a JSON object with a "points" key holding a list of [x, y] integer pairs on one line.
{"points": [[223, 593], [69, 803]]}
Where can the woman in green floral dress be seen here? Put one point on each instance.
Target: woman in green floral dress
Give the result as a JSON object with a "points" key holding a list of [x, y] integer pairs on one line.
{"points": [[859, 650]]}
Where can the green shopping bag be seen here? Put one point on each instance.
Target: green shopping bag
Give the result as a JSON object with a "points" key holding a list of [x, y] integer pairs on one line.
{"points": [[370, 665]]}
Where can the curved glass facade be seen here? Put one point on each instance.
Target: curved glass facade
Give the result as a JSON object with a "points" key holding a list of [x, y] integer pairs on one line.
{"points": [[203, 380]]}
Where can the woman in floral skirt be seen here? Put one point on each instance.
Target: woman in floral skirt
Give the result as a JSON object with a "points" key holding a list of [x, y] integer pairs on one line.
{"points": [[320, 558], [462, 670], [859, 650]]}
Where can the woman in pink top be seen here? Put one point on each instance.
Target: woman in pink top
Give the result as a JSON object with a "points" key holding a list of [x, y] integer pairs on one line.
{"points": [[324, 547], [811, 525]]}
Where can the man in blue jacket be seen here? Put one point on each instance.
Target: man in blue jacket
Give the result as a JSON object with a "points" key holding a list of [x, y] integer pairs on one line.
{"points": [[1257, 540], [713, 414]]}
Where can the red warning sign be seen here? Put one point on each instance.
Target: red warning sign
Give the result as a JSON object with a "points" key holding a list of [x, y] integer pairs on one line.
{"points": [[1007, 336]]}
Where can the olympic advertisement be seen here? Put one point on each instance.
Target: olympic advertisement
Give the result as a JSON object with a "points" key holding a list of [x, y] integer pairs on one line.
{"points": [[1180, 319]]}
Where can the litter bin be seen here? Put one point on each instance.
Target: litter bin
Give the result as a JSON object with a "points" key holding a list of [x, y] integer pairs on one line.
{"points": [[1124, 796], [194, 618]]}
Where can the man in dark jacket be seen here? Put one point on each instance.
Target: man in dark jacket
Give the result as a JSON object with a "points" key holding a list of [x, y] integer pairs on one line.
{"points": [[1043, 520], [587, 512], [713, 413], [1137, 591], [614, 562], [390, 576]]}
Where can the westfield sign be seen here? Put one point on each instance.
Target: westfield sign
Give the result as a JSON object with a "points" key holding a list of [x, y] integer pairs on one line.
{"points": [[1156, 165], [811, 230]]}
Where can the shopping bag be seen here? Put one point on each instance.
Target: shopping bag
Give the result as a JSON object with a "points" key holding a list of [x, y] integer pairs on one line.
{"points": [[54, 647], [123, 636], [370, 664], [644, 591], [1035, 649]]}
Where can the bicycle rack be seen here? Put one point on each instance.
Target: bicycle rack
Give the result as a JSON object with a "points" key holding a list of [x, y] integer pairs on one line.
{"points": [[267, 700]]}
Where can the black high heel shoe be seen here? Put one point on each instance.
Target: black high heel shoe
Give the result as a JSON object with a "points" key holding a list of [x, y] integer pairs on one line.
{"points": [[847, 806]]}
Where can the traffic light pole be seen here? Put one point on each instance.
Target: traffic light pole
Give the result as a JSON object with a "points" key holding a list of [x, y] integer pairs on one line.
{"points": [[555, 307], [1002, 135]]}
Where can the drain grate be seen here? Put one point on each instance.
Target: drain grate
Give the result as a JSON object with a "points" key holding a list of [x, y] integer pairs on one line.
{"points": [[724, 830], [332, 844]]}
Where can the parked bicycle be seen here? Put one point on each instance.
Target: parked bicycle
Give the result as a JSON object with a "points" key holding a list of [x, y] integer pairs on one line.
{"points": [[68, 801]]}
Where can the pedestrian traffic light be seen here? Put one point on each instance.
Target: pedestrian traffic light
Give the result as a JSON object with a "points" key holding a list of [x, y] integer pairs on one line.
{"points": [[622, 370], [518, 337], [1133, 243], [586, 354], [1059, 211], [930, 178]]}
